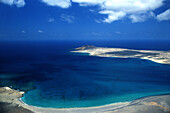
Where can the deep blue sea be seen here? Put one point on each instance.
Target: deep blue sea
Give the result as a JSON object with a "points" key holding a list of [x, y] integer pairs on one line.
{"points": [[54, 77]]}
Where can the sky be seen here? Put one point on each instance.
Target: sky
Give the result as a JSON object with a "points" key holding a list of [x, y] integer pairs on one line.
{"points": [[84, 19]]}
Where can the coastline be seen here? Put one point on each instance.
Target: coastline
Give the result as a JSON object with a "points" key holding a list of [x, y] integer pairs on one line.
{"points": [[162, 57], [103, 108], [35, 109], [159, 102]]}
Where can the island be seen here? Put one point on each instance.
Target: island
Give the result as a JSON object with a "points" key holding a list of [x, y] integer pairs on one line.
{"points": [[10, 102], [162, 57]]}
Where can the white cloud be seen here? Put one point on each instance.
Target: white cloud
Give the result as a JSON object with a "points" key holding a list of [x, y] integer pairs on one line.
{"points": [[141, 17], [59, 3], [137, 18], [89, 2], [132, 6], [40, 31], [98, 21], [67, 18], [51, 20], [18, 3], [136, 10], [96, 34], [164, 16], [92, 10], [113, 16], [117, 32]]}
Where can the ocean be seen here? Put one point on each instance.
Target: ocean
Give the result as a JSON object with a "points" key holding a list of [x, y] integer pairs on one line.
{"points": [[52, 76]]}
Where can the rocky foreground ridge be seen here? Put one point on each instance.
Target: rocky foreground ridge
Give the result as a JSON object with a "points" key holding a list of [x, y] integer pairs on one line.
{"points": [[9, 102]]}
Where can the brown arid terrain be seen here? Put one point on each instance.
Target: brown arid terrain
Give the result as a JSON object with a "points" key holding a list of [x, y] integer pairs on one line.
{"points": [[162, 57]]}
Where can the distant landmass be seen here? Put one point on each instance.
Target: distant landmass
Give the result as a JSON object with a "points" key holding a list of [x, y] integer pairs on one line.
{"points": [[153, 55]]}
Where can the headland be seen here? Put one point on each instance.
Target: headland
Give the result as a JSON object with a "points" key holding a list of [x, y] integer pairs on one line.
{"points": [[162, 57]]}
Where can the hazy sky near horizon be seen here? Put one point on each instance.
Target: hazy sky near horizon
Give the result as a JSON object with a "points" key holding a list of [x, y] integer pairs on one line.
{"points": [[84, 19]]}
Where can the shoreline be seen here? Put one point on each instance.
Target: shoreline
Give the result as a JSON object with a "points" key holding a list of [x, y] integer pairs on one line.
{"points": [[162, 57], [36, 109], [151, 101], [101, 105], [101, 108], [116, 103]]}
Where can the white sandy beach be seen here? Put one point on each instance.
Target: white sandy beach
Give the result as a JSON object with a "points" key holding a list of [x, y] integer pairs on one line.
{"points": [[148, 104], [12, 96]]}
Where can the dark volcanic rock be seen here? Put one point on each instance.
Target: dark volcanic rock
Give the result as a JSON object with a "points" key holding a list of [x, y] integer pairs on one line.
{"points": [[85, 47], [11, 108]]}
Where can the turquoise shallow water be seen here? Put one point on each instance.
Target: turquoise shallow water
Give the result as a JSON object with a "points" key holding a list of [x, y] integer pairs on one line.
{"points": [[85, 103], [54, 77]]}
